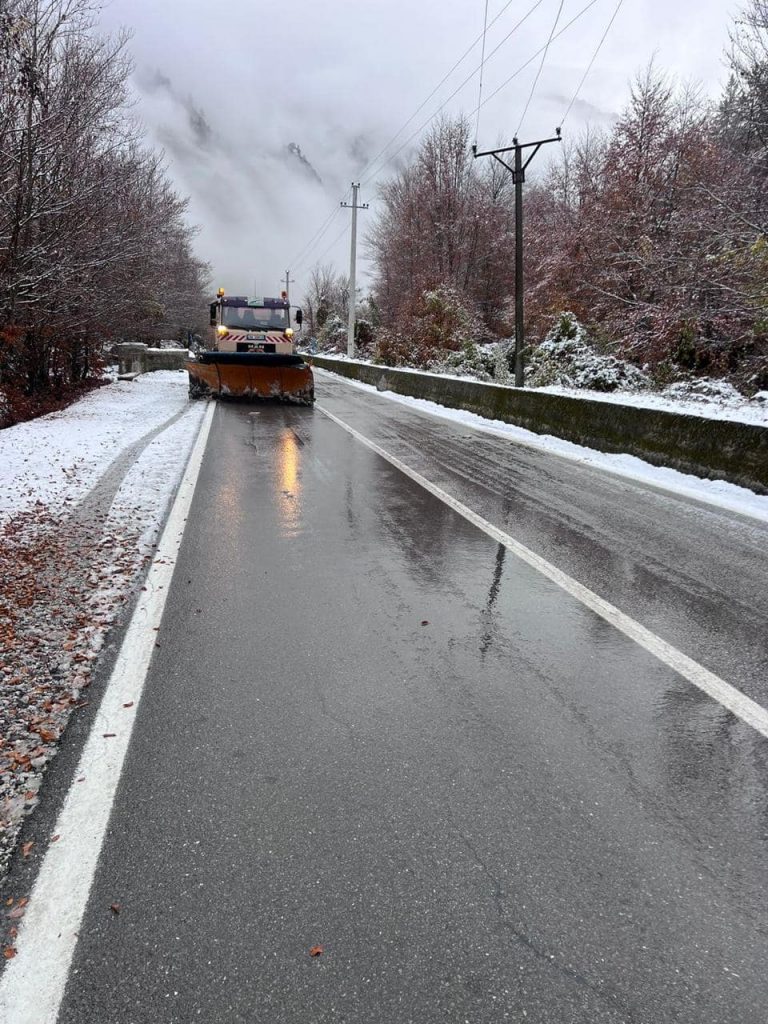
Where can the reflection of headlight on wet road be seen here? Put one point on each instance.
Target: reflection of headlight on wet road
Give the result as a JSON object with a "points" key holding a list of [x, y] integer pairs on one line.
{"points": [[289, 483]]}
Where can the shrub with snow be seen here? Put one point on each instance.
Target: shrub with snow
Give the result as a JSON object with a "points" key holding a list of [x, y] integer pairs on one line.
{"points": [[567, 358], [332, 336], [482, 362], [439, 321], [704, 389]]}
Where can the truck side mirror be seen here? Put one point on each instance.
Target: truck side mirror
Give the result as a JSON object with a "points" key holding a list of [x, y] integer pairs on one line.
{"points": [[299, 317], [214, 306]]}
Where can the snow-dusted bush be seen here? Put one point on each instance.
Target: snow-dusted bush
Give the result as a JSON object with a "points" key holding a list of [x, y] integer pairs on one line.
{"points": [[439, 321], [483, 362], [567, 358], [704, 389], [332, 336], [364, 335]]}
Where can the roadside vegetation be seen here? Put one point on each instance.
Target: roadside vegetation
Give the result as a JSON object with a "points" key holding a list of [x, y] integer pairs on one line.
{"points": [[94, 246], [652, 236]]}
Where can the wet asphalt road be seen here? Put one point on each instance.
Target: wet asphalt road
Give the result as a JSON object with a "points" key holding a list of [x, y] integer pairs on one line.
{"points": [[511, 812]]}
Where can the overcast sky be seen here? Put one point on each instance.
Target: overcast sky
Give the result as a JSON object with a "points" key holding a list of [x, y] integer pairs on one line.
{"points": [[225, 89]]}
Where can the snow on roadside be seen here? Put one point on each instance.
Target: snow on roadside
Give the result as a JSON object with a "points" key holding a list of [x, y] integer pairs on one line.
{"points": [[133, 524], [676, 398], [714, 492], [71, 555], [55, 460], [733, 407]]}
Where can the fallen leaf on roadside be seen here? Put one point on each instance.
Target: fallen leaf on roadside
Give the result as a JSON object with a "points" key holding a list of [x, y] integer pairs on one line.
{"points": [[425, 622], [129, 704], [55, 839], [316, 951], [115, 908], [16, 913], [27, 847], [9, 952]]}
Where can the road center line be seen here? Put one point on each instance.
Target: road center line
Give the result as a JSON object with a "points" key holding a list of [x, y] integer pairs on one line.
{"points": [[32, 986], [724, 693]]}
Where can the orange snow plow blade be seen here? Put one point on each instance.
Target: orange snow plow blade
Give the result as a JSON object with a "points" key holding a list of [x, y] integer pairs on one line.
{"points": [[251, 376]]}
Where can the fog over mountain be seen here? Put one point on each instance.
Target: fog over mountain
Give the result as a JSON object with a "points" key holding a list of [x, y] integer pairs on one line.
{"points": [[267, 111]]}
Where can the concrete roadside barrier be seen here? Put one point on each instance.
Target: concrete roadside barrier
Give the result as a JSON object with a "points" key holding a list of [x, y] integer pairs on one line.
{"points": [[135, 357], [708, 448]]}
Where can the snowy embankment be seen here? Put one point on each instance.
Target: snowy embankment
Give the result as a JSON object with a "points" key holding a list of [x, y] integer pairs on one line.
{"points": [[83, 495], [729, 405], [715, 492]]}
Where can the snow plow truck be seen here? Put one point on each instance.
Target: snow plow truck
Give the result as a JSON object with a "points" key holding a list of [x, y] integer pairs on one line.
{"points": [[252, 352]]}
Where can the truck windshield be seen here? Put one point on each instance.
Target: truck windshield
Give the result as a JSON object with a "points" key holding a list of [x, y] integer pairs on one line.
{"points": [[255, 318]]}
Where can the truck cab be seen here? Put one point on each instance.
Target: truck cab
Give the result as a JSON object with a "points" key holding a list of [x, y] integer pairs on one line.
{"points": [[242, 324]]}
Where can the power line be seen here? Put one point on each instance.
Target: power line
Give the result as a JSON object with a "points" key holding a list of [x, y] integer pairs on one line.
{"points": [[481, 103], [482, 62], [296, 261], [311, 247], [326, 224], [592, 61], [530, 60], [442, 81], [541, 65], [338, 238], [445, 103]]}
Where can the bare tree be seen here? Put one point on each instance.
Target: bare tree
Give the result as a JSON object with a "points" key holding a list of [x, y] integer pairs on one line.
{"points": [[93, 241]]}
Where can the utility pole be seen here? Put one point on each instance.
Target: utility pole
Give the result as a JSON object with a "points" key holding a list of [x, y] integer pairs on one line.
{"points": [[288, 282], [518, 177], [352, 261]]}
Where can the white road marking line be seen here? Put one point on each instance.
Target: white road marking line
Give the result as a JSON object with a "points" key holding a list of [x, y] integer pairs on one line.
{"points": [[32, 986], [593, 458], [724, 693]]}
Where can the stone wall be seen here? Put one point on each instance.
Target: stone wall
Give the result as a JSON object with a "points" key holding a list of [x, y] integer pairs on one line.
{"points": [[714, 449], [135, 357]]}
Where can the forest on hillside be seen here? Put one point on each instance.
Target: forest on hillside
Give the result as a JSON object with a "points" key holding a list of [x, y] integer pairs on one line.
{"points": [[651, 236], [94, 245]]}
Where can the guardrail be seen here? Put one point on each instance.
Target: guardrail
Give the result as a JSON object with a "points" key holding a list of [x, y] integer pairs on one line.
{"points": [[713, 449]]}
